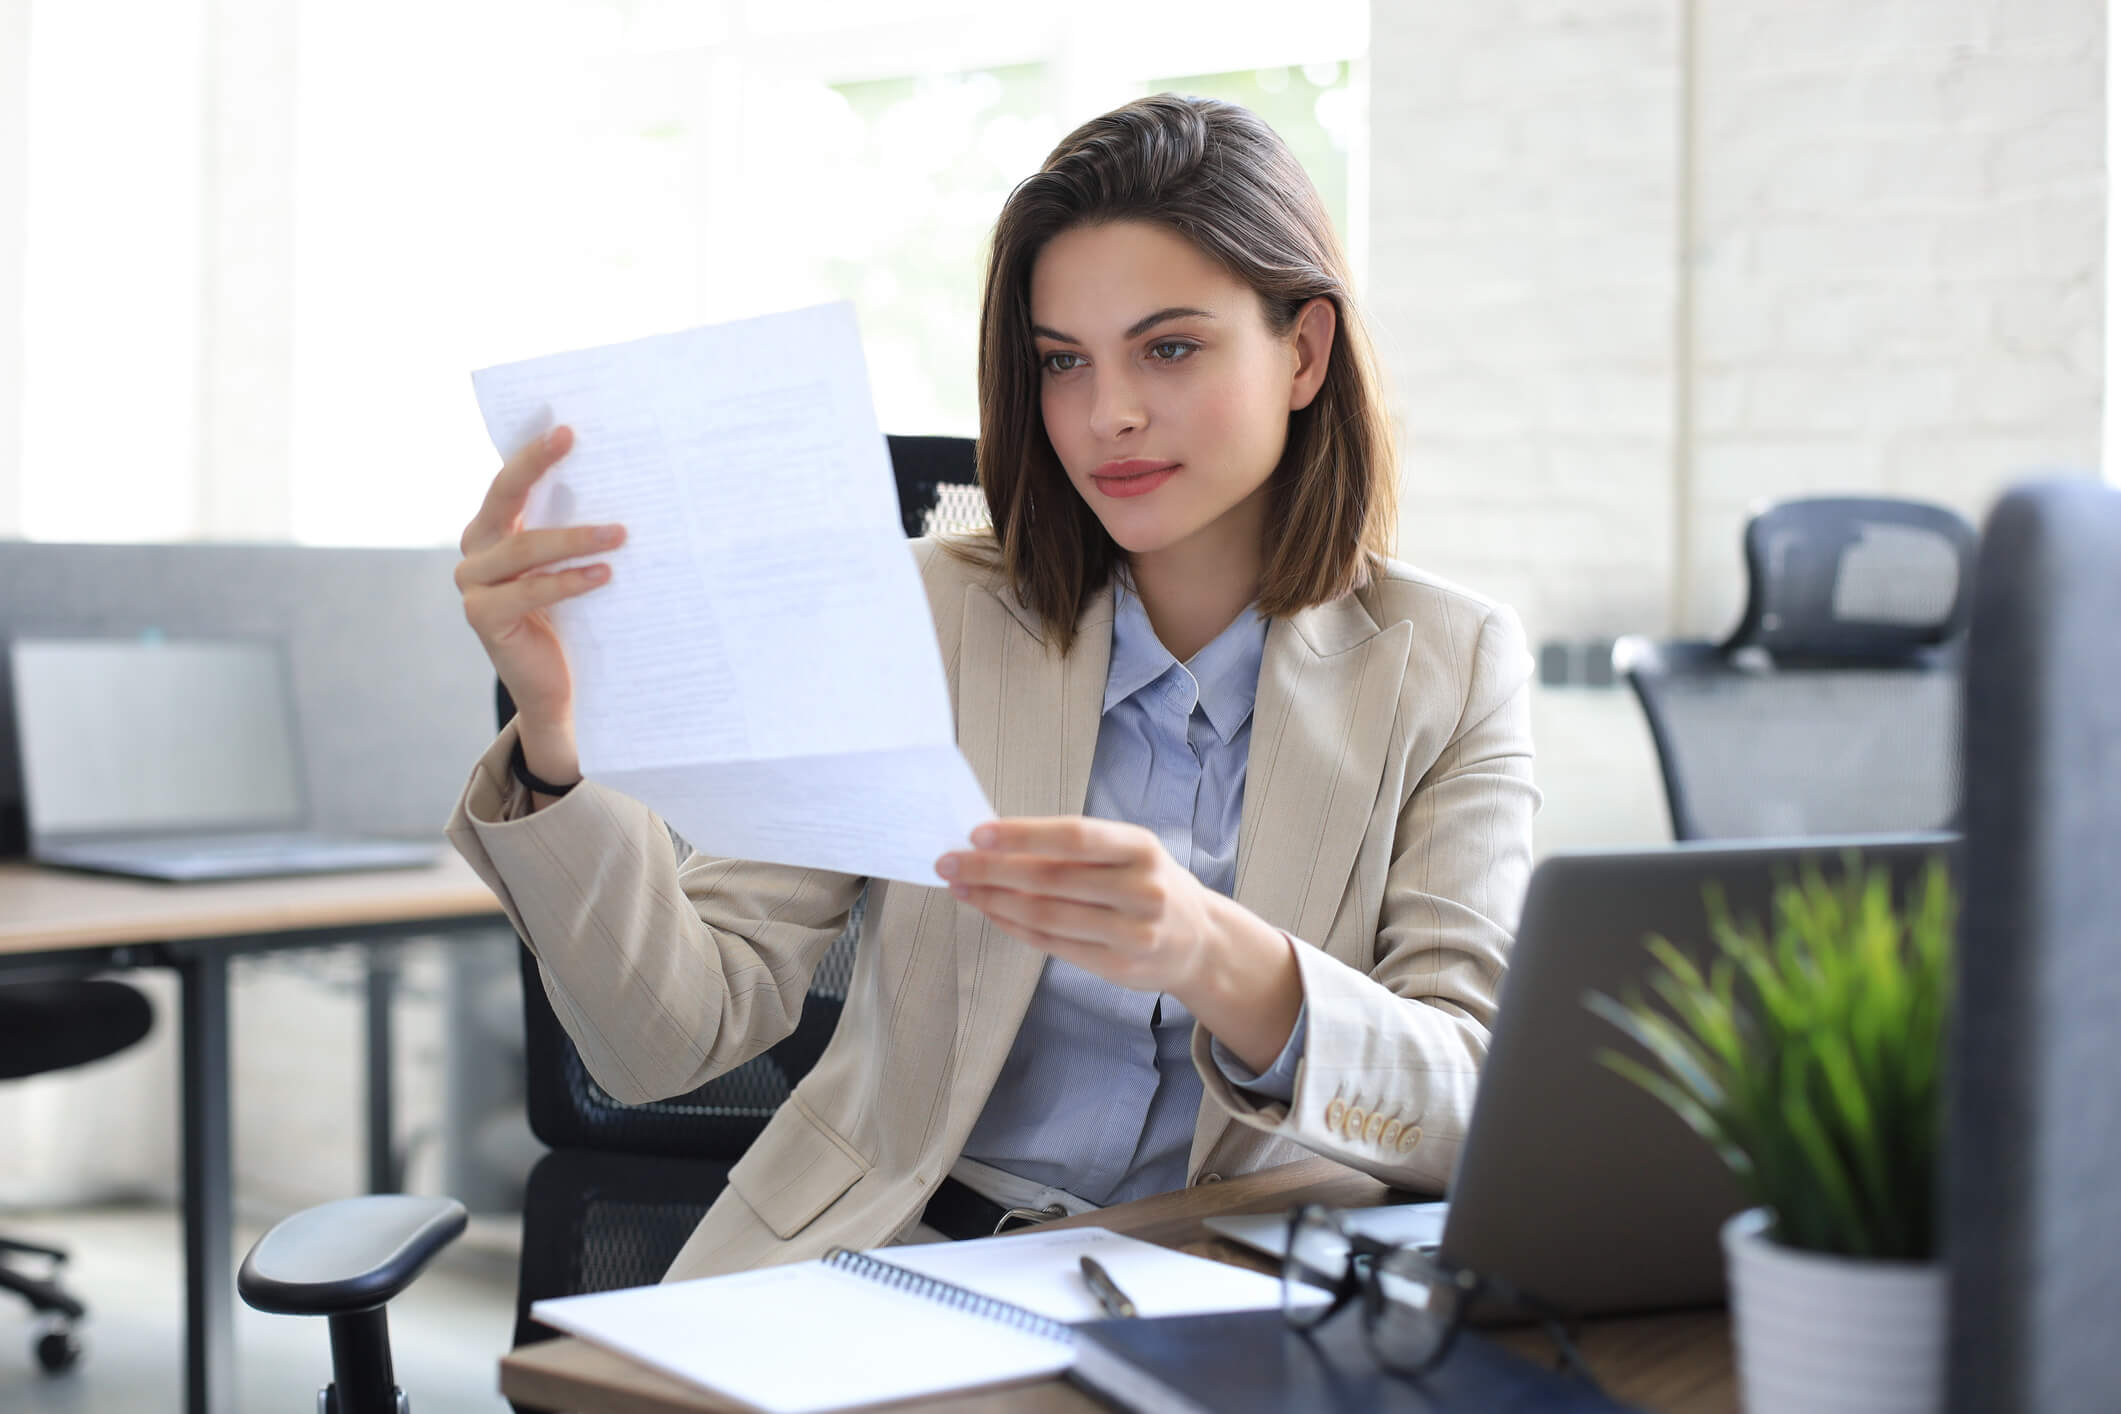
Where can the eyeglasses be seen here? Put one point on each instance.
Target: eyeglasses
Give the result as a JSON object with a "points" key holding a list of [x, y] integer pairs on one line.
{"points": [[1413, 1304]]}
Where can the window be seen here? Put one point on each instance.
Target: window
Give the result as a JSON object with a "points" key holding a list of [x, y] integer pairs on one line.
{"points": [[534, 175]]}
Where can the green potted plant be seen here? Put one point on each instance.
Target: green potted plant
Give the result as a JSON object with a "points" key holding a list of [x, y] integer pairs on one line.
{"points": [[1809, 1054]]}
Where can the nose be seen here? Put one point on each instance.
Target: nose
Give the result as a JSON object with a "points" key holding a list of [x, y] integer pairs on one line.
{"points": [[1116, 407]]}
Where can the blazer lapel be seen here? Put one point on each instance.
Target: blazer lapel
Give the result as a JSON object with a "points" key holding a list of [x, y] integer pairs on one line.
{"points": [[1329, 686], [1028, 725]]}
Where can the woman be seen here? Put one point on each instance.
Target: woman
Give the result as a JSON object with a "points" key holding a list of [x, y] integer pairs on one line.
{"points": [[1266, 794]]}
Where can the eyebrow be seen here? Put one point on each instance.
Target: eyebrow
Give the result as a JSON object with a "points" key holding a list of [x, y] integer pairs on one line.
{"points": [[1137, 328]]}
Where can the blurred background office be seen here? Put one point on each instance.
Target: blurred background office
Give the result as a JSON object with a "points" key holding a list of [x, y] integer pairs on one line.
{"points": [[1633, 266]]}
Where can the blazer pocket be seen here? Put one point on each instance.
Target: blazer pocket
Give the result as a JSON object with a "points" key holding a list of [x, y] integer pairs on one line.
{"points": [[795, 1169]]}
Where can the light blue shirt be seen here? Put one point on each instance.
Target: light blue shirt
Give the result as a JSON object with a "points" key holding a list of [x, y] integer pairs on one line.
{"points": [[1099, 1094]]}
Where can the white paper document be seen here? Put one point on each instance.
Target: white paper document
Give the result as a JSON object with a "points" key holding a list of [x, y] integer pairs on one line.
{"points": [[761, 669]]}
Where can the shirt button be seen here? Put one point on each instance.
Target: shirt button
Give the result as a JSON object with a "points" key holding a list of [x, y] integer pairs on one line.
{"points": [[1410, 1138], [1374, 1128], [1336, 1110], [1357, 1118]]}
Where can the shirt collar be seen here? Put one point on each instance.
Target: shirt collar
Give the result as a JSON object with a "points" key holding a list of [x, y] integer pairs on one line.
{"points": [[1226, 670]]}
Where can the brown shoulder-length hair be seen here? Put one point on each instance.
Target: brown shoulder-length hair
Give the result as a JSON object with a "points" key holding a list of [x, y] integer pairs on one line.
{"points": [[1217, 175]]}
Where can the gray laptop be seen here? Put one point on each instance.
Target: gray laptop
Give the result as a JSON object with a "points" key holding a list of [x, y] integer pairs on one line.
{"points": [[1573, 1185], [171, 759]]}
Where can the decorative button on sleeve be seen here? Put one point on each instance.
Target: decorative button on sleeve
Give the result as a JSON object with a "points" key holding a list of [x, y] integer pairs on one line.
{"points": [[1336, 1110], [1357, 1118], [1409, 1138], [1374, 1128]]}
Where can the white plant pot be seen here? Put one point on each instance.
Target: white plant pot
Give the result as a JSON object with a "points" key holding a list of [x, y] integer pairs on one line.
{"points": [[1819, 1334]]}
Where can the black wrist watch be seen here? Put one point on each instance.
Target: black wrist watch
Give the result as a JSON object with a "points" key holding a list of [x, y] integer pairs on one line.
{"points": [[520, 769]]}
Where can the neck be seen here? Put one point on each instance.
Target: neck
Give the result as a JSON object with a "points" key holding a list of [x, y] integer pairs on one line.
{"points": [[1193, 590]]}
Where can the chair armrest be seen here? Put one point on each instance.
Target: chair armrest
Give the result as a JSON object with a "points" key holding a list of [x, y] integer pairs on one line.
{"points": [[351, 1255]]}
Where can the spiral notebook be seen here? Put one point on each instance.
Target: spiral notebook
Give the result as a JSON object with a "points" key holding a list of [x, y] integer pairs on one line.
{"points": [[845, 1330]]}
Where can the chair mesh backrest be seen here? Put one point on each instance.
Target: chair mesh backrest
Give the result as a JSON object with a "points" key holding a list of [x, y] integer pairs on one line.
{"points": [[957, 509], [938, 484], [597, 1221], [567, 1108], [1763, 753], [627, 1243], [1834, 707]]}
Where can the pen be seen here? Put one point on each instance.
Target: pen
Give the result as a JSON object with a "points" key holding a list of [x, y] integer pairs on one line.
{"points": [[1106, 1290]]}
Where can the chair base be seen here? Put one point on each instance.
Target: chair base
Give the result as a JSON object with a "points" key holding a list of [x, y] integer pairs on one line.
{"points": [[57, 1347], [44, 1294]]}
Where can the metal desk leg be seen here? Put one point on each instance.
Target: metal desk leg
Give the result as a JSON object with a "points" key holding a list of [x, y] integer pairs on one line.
{"points": [[209, 1263], [383, 1174]]}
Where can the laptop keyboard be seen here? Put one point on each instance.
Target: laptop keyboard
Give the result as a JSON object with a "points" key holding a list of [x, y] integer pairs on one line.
{"points": [[236, 856], [251, 850]]}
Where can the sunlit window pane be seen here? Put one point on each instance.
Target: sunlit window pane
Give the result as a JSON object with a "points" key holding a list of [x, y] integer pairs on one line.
{"points": [[489, 180], [111, 279]]}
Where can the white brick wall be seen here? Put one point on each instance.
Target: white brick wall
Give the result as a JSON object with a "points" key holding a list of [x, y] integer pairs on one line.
{"points": [[1898, 261], [1523, 285], [1895, 281]]}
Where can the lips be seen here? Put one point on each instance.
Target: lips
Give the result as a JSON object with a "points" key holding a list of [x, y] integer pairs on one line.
{"points": [[1134, 476]]}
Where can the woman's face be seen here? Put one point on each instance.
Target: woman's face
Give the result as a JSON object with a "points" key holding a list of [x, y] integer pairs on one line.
{"points": [[1165, 394]]}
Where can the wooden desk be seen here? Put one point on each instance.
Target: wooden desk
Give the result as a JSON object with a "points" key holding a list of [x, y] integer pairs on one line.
{"points": [[53, 920], [1672, 1364]]}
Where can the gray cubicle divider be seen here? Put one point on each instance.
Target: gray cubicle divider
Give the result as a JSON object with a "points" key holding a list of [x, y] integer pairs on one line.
{"points": [[393, 696]]}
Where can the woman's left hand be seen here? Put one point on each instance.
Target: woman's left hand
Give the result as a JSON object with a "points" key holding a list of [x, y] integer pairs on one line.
{"points": [[1100, 894]]}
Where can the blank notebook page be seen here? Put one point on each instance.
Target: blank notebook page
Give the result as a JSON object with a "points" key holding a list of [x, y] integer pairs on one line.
{"points": [[805, 1337], [1037, 1269]]}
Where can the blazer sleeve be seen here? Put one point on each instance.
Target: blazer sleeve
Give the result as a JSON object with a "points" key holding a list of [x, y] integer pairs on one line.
{"points": [[665, 974], [1392, 1055]]}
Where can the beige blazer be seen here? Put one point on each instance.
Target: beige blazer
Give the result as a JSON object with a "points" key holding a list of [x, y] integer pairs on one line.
{"points": [[1387, 826]]}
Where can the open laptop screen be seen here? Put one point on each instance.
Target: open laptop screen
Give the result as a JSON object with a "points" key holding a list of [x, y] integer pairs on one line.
{"points": [[124, 736]]}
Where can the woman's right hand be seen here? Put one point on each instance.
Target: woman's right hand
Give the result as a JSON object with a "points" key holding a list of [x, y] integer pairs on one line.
{"points": [[507, 590]]}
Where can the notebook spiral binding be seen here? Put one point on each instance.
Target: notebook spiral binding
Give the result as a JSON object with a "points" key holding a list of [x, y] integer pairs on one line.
{"points": [[944, 1293]]}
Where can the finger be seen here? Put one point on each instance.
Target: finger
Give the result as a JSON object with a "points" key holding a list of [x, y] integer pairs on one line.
{"points": [[511, 488], [532, 549], [493, 610], [1068, 836], [1058, 918], [1117, 886]]}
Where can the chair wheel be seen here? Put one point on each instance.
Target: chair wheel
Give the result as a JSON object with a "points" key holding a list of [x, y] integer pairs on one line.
{"points": [[57, 1350]]}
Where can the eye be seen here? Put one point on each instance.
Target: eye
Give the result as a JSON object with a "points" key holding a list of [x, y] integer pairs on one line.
{"points": [[1171, 350], [1051, 365]]}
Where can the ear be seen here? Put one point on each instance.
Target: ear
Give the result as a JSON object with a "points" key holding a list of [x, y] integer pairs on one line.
{"points": [[1312, 342]]}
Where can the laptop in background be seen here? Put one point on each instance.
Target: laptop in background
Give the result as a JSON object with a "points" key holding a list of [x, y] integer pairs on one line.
{"points": [[173, 760]]}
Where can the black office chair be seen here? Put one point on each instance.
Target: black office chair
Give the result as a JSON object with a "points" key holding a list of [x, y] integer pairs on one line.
{"points": [[51, 1025], [1833, 707], [2032, 1194], [622, 1186]]}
